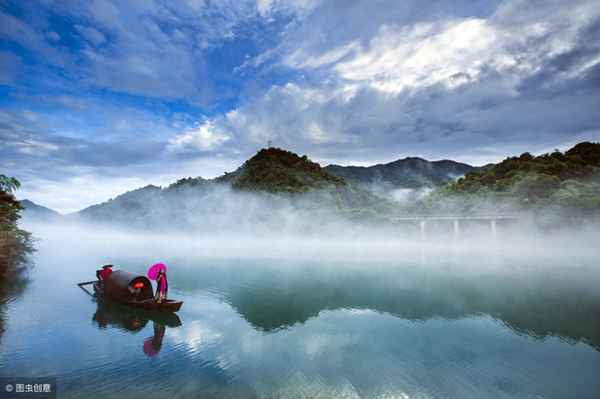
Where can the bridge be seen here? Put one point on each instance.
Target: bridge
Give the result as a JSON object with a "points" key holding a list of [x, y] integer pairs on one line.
{"points": [[456, 221]]}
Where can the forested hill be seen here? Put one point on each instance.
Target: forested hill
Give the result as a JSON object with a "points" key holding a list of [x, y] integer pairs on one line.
{"points": [[36, 212], [570, 178], [279, 171], [271, 188], [407, 173]]}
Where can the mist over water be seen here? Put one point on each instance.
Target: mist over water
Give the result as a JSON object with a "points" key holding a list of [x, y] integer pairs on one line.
{"points": [[370, 311], [302, 234]]}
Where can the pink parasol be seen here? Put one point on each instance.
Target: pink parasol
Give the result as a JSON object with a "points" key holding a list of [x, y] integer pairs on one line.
{"points": [[154, 269]]}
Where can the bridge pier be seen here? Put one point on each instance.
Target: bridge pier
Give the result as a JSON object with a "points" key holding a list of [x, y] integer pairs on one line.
{"points": [[457, 222]]}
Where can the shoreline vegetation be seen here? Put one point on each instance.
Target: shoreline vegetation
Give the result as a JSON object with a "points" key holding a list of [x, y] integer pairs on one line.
{"points": [[557, 186], [15, 243]]}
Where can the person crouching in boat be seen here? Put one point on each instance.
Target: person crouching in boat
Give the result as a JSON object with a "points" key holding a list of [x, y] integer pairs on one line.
{"points": [[162, 286], [104, 273]]}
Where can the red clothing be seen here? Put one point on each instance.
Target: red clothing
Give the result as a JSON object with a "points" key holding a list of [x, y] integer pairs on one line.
{"points": [[163, 286], [104, 273]]}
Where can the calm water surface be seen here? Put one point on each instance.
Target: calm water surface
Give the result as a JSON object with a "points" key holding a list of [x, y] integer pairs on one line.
{"points": [[313, 329]]}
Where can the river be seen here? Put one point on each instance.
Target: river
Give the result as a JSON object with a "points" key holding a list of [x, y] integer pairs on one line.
{"points": [[465, 325]]}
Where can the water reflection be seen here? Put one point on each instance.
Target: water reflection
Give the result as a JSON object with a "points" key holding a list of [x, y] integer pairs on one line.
{"points": [[11, 287], [553, 302], [153, 344], [130, 319], [110, 314], [276, 329], [376, 330]]}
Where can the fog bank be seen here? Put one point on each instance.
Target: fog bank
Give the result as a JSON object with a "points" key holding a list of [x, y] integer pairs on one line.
{"points": [[351, 245]]}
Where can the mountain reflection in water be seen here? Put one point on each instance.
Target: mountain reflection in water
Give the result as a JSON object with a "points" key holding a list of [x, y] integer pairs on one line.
{"points": [[468, 327], [539, 303]]}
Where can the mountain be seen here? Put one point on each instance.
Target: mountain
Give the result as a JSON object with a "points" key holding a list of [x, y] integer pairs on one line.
{"points": [[133, 202], [279, 171], [278, 190], [567, 180], [33, 211], [275, 189], [408, 173]]}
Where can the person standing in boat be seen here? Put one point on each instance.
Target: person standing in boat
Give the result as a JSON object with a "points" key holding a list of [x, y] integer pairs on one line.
{"points": [[104, 273], [162, 286]]}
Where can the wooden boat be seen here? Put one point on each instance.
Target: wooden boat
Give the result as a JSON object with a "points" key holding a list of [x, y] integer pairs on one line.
{"points": [[132, 290]]}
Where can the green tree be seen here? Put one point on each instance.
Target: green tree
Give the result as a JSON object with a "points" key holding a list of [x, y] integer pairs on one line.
{"points": [[9, 184], [15, 243]]}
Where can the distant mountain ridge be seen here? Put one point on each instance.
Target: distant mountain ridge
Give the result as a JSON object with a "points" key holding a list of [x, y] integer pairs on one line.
{"points": [[133, 201], [276, 188], [409, 173], [278, 180], [268, 188], [33, 211]]}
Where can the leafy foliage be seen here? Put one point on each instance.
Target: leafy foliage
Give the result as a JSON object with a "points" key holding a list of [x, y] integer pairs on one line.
{"points": [[9, 184], [14, 242], [188, 182], [569, 180], [279, 171], [411, 173]]}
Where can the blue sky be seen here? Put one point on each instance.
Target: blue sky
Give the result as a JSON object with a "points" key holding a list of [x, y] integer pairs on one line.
{"points": [[99, 97]]}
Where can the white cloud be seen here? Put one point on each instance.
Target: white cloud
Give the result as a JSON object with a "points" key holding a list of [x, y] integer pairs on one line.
{"points": [[268, 7], [264, 6], [34, 147], [196, 335], [516, 39], [205, 137], [423, 55], [316, 134], [437, 88], [92, 35], [300, 59], [73, 193], [450, 52], [68, 189]]}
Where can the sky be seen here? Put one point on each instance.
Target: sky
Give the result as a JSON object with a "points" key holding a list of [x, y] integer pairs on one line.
{"points": [[101, 97]]}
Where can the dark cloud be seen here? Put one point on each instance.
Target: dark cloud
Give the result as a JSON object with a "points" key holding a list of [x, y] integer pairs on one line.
{"points": [[402, 82], [29, 143]]}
